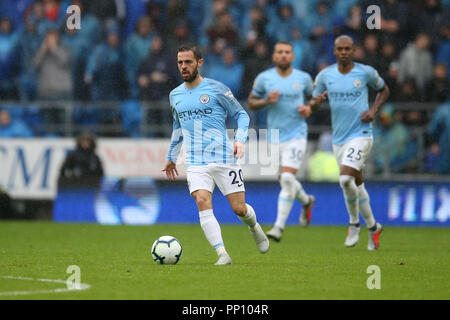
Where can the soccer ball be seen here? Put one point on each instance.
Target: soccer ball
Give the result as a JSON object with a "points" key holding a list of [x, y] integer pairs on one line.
{"points": [[166, 250]]}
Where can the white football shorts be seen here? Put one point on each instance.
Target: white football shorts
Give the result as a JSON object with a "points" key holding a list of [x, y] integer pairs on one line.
{"points": [[353, 153], [292, 153], [228, 177]]}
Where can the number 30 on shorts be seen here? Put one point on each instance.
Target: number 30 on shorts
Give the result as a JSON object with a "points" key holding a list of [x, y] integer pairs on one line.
{"points": [[235, 177], [296, 155]]}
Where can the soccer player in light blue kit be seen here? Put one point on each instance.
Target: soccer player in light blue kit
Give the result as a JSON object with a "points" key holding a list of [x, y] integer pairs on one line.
{"points": [[346, 85], [285, 91], [200, 107]]}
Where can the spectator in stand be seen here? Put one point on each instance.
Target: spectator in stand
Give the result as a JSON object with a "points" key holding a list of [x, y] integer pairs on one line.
{"points": [[299, 44], [254, 25], [54, 68], [302, 9], [55, 12], [310, 63], [91, 27], [12, 128], [213, 10], [279, 29], [137, 48], [416, 62], [326, 51], [157, 75], [8, 61], [355, 22], [224, 28], [229, 72], [82, 42], [431, 18], [387, 65], [28, 44], [391, 142], [175, 13], [371, 47], [255, 62], [106, 9], [53, 62], [15, 10], [407, 91], [439, 129], [157, 13], [105, 72], [37, 16], [320, 22], [341, 8], [181, 34], [394, 20], [443, 53], [213, 56], [359, 55], [438, 88]]}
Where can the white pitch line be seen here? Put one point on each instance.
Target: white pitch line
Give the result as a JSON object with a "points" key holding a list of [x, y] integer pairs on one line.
{"points": [[83, 286]]}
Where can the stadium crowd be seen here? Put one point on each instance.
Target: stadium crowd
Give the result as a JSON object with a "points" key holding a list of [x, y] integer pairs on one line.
{"points": [[125, 52]]}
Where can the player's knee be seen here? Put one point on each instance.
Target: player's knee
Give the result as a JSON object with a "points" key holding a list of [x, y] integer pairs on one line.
{"points": [[239, 209], [288, 184], [346, 181], [202, 201]]}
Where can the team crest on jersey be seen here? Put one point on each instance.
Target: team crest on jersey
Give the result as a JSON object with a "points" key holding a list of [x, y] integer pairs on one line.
{"points": [[204, 99], [296, 86], [357, 83]]}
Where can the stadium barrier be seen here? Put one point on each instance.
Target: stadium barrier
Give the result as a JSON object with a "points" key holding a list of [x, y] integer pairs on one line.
{"points": [[129, 193], [145, 201], [152, 119]]}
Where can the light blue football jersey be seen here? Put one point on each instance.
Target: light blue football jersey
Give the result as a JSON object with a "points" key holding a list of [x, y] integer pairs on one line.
{"points": [[283, 115], [199, 120], [348, 95]]}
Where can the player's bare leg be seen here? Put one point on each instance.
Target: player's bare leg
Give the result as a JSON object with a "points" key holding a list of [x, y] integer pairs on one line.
{"points": [[246, 214], [210, 226]]}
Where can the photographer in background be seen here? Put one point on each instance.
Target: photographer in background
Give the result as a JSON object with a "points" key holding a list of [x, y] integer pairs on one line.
{"points": [[6, 207], [82, 166]]}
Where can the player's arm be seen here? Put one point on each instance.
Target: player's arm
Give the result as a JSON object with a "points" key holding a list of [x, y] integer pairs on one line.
{"points": [[315, 102], [176, 142], [319, 93], [255, 103], [243, 121], [380, 99], [235, 110], [258, 97], [305, 110], [377, 83]]}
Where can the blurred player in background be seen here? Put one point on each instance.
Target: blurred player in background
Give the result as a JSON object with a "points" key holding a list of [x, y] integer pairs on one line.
{"points": [[200, 107], [346, 85], [285, 91]]}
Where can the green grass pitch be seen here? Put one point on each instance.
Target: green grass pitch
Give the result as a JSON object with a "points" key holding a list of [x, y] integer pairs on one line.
{"points": [[309, 263]]}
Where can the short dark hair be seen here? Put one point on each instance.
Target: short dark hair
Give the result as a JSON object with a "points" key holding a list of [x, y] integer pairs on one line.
{"points": [[283, 42], [191, 47]]}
